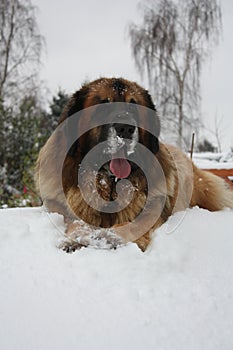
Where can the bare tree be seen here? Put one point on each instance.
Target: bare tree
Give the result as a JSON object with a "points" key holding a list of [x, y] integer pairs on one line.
{"points": [[170, 46], [20, 48], [216, 133]]}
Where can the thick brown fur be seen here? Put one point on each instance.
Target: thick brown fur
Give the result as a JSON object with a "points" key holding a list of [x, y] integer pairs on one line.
{"points": [[182, 177]]}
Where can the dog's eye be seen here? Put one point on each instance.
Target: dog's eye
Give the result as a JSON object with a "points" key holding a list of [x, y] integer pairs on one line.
{"points": [[132, 107], [106, 100], [132, 100]]}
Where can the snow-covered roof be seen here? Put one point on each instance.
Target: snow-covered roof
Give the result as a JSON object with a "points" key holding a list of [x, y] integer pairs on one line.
{"points": [[208, 160]]}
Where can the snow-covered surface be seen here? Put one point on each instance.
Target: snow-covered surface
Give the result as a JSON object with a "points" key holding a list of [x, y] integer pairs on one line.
{"points": [[177, 295], [207, 160]]}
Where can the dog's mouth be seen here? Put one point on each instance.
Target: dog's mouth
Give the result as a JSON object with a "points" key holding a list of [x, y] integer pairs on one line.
{"points": [[119, 166]]}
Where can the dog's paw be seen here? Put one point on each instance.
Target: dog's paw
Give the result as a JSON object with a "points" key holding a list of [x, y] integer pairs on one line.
{"points": [[70, 246], [143, 242], [80, 234], [105, 239]]}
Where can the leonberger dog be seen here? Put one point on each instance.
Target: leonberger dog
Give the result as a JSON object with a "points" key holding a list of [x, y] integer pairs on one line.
{"points": [[121, 116]]}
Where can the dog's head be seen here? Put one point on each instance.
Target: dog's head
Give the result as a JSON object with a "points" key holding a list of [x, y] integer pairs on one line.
{"points": [[123, 116]]}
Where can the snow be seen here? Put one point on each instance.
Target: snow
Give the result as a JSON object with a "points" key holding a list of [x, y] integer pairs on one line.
{"points": [[177, 295], [208, 160], [133, 143], [115, 142]]}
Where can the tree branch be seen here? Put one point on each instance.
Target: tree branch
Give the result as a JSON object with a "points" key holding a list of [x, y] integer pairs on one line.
{"points": [[8, 48]]}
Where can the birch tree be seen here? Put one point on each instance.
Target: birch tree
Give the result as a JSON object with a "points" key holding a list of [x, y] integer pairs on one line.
{"points": [[20, 48], [170, 47]]}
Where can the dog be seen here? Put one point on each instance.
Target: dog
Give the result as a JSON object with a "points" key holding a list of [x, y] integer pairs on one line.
{"points": [[121, 116]]}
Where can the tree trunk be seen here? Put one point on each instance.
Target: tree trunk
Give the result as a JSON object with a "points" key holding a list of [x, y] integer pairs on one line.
{"points": [[180, 127], [180, 116]]}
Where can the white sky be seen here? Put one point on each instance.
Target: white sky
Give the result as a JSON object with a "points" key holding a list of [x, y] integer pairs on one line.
{"points": [[87, 39]]}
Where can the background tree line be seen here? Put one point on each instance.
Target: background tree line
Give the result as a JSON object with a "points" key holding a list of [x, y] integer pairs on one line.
{"points": [[23, 132], [169, 46]]}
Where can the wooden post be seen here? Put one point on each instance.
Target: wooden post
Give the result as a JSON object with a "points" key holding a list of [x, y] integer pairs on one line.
{"points": [[192, 146]]}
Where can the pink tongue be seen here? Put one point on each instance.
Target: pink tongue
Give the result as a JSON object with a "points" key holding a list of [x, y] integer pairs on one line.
{"points": [[119, 166]]}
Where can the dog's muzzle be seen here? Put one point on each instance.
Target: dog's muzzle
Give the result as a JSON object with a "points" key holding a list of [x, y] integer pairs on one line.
{"points": [[122, 141]]}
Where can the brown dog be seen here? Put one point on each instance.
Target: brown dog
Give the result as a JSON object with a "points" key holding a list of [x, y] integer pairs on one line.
{"points": [[120, 116]]}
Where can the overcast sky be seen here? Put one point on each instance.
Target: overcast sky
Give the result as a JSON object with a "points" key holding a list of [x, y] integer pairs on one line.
{"points": [[86, 39]]}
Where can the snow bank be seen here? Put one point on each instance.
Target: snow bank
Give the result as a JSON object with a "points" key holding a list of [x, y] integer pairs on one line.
{"points": [[177, 295], [208, 160]]}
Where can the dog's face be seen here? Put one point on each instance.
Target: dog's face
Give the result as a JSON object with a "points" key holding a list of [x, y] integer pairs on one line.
{"points": [[121, 105]]}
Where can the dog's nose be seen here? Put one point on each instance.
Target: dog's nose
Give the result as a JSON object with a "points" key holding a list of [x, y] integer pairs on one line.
{"points": [[124, 130]]}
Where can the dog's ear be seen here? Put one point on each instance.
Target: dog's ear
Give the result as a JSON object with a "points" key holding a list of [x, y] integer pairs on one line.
{"points": [[151, 138], [154, 122], [154, 131], [74, 105], [153, 143], [148, 100]]}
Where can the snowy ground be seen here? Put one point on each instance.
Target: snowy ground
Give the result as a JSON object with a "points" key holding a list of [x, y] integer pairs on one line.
{"points": [[177, 295]]}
